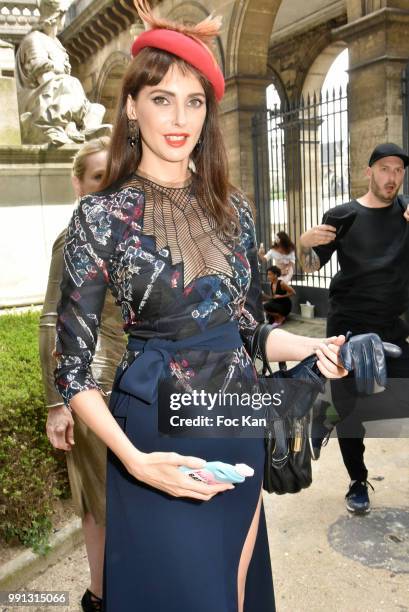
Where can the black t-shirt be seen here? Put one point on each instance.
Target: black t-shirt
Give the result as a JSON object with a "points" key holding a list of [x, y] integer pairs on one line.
{"points": [[371, 289]]}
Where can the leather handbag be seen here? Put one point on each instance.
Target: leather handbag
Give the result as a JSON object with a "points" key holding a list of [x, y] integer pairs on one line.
{"points": [[287, 467], [295, 473], [288, 457]]}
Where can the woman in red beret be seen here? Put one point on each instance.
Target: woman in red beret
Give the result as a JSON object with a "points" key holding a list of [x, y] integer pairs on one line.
{"points": [[175, 243]]}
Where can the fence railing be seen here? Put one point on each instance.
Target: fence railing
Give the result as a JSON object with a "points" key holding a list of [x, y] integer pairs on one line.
{"points": [[301, 169]]}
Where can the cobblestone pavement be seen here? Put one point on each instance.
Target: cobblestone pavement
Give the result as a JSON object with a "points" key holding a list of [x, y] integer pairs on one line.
{"points": [[312, 572]]}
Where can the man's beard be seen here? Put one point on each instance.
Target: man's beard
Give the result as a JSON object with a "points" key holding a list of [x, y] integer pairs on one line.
{"points": [[377, 191]]}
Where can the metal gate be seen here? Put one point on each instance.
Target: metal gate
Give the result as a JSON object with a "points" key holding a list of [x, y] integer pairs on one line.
{"points": [[301, 169]]}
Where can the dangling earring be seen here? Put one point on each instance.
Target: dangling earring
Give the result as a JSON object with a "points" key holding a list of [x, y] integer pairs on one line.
{"points": [[198, 145], [133, 131], [195, 152]]}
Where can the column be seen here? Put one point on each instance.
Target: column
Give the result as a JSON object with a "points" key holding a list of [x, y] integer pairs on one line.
{"points": [[378, 45]]}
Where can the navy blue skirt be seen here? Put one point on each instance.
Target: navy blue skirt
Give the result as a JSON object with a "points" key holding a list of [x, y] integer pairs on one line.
{"points": [[178, 555], [167, 554]]}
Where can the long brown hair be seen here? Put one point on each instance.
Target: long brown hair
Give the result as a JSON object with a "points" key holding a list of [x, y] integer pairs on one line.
{"points": [[212, 187]]}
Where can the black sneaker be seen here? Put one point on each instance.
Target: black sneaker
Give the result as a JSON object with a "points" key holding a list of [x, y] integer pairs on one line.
{"points": [[90, 602], [357, 498]]}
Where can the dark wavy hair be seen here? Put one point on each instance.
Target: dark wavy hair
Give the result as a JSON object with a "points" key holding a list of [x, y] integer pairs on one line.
{"points": [[212, 184], [285, 242], [275, 270]]}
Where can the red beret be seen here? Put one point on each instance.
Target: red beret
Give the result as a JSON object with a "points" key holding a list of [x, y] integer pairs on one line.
{"points": [[192, 51]]}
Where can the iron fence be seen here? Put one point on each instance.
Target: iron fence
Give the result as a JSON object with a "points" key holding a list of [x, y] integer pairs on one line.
{"points": [[301, 169]]}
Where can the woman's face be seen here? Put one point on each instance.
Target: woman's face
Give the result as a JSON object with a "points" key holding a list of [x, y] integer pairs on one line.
{"points": [[95, 165], [271, 276], [170, 117]]}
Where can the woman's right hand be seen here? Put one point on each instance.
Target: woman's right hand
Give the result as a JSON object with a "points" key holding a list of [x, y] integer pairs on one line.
{"points": [[160, 470]]}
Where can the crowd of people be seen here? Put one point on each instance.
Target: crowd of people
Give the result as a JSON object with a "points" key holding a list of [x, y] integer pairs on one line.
{"points": [[157, 278]]}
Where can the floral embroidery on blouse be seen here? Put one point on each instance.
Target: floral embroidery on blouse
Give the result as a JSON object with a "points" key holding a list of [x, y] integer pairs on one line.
{"points": [[106, 248]]}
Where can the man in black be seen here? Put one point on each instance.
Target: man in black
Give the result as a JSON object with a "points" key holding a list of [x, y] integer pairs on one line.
{"points": [[368, 294]]}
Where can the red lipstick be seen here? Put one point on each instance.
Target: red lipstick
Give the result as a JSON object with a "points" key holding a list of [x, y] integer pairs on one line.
{"points": [[176, 140]]}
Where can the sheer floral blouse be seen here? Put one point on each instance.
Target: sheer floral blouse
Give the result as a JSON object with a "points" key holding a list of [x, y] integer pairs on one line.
{"points": [[171, 271]]}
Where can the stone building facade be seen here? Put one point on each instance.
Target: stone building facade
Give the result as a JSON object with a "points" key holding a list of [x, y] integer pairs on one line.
{"points": [[290, 43]]}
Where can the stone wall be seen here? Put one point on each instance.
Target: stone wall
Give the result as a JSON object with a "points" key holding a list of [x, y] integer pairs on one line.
{"points": [[241, 51], [9, 118], [36, 203], [295, 57], [292, 63], [253, 53], [378, 43]]}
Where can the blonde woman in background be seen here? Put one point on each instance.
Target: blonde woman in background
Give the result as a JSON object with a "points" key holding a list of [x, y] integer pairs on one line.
{"points": [[86, 454]]}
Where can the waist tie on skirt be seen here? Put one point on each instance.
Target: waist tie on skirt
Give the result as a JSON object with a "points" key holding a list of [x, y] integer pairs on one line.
{"points": [[141, 378], [178, 543]]}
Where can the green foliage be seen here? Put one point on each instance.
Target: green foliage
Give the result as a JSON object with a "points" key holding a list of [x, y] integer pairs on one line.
{"points": [[32, 475]]}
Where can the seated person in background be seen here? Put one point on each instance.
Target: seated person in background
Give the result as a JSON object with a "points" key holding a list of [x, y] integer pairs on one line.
{"points": [[281, 254], [277, 307]]}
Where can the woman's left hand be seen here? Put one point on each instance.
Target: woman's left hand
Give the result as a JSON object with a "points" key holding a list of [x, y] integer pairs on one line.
{"points": [[329, 362]]}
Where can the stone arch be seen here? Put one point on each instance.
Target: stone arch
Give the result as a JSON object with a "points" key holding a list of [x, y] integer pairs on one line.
{"points": [[193, 12], [276, 80], [318, 70], [249, 35], [109, 80]]}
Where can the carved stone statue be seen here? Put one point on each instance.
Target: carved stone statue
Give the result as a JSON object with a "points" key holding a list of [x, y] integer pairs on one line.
{"points": [[53, 105]]}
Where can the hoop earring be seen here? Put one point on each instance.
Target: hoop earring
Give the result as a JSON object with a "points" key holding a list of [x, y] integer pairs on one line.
{"points": [[134, 132]]}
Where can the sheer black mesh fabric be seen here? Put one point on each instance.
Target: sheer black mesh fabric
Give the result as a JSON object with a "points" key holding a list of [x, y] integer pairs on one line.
{"points": [[181, 225]]}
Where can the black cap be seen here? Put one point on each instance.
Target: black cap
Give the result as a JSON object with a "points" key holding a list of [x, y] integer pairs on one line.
{"points": [[387, 149]]}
